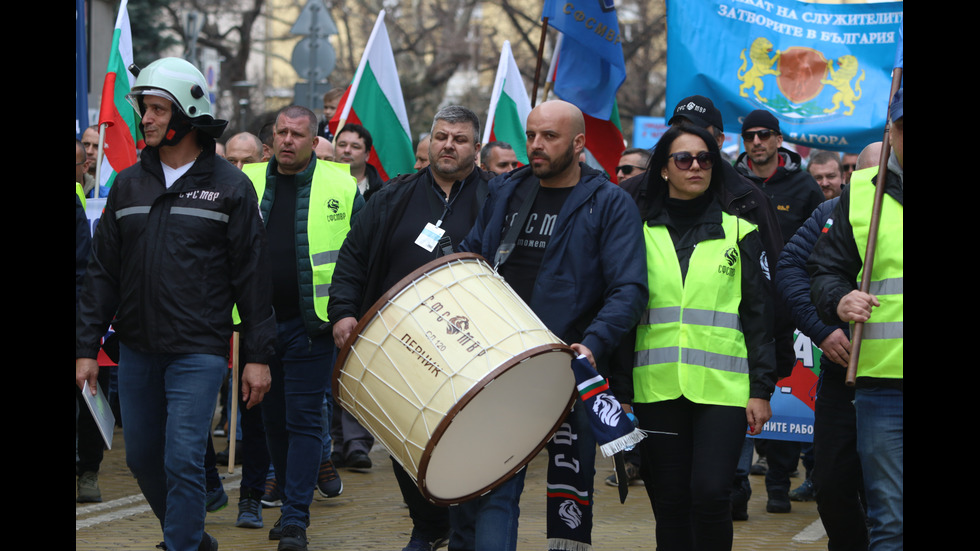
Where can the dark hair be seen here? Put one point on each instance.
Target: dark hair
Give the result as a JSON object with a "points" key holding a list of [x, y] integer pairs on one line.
{"points": [[824, 157], [298, 112], [360, 131], [660, 157], [644, 153], [485, 152]]}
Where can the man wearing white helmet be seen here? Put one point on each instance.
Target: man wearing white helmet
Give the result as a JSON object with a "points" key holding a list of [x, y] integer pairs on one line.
{"points": [[180, 241]]}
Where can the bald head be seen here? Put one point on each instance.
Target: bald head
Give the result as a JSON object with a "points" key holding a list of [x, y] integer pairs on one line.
{"points": [[324, 150], [243, 148], [555, 139], [870, 156]]}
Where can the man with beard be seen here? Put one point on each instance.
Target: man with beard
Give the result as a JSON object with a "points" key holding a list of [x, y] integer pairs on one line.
{"points": [[577, 258], [381, 249]]}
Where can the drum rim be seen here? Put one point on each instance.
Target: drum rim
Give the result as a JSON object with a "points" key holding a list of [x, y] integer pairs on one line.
{"points": [[471, 394], [397, 288]]}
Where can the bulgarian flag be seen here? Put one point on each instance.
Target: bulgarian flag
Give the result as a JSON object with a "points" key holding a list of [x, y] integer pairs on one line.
{"points": [[374, 100], [603, 137], [509, 106], [118, 130]]}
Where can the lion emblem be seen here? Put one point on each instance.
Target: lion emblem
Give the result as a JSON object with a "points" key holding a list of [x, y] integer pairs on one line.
{"points": [[607, 410], [841, 80], [570, 513], [762, 65]]}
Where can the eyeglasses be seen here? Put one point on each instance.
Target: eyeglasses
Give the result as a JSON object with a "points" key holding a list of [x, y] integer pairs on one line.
{"points": [[683, 160], [849, 167], [628, 169], [749, 135]]}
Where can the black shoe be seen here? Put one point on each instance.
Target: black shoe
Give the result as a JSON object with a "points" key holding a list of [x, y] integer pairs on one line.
{"points": [[276, 532], [208, 543], [293, 539], [358, 460], [337, 459], [778, 503], [221, 458]]}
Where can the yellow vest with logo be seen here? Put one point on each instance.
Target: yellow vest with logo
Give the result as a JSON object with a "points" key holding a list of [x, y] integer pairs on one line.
{"points": [[882, 344], [690, 342], [327, 223]]}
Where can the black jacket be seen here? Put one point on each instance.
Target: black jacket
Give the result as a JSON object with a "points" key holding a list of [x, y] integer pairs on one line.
{"points": [[793, 284], [170, 263], [793, 192], [362, 266]]}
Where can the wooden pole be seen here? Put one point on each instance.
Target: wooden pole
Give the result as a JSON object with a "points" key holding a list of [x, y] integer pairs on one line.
{"points": [[537, 67], [857, 332]]}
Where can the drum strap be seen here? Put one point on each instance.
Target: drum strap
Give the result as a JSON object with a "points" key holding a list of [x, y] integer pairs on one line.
{"points": [[507, 244]]}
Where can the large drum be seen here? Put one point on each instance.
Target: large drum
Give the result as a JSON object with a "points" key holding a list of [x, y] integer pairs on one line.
{"points": [[457, 377]]}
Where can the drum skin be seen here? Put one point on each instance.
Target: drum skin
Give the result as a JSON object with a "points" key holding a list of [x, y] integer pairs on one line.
{"points": [[455, 375]]}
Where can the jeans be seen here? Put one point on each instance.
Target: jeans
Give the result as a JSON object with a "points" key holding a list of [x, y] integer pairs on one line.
{"points": [[168, 401], [880, 442], [292, 412], [326, 412], [489, 522]]}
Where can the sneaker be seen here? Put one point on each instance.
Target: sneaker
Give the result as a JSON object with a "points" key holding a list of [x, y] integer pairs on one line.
{"points": [[88, 488], [358, 460], [328, 481], [293, 538], [778, 503], [760, 467], [803, 493], [249, 510], [216, 499], [219, 430], [273, 495], [276, 532]]}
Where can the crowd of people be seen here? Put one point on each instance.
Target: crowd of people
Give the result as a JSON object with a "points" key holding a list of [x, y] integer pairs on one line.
{"points": [[682, 285]]}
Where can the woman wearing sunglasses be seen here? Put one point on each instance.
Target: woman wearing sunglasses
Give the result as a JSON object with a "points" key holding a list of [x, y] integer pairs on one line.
{"points": [[705, 362]]}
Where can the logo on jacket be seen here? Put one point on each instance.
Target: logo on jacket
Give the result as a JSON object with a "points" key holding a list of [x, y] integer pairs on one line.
{"points": [[731, 258], [333, 205]]}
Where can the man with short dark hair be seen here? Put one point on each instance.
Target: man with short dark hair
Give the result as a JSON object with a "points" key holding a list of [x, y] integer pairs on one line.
{"points": [[181, 231], [633, 162], [353, 148], [578, 261], [498, 157], [826, 169], [381, 249], [777, 171], [307, 206]]}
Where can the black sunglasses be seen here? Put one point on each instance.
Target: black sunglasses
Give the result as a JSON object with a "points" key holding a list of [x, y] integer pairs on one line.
{"points": [[764, 135], [850, 167], [628, 169], [683, 160]]}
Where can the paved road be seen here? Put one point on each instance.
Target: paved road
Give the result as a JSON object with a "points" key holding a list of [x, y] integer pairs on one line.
{"points": [[370, 515]]}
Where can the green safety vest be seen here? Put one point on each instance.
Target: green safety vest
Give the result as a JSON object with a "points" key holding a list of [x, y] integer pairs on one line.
{"points": [[689, 342], [323, 221], [882, 344]]}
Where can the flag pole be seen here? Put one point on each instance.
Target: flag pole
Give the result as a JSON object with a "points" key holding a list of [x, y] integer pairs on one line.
{"points": [[98, 160], [857, 332], [537, 67], [233, 416]]}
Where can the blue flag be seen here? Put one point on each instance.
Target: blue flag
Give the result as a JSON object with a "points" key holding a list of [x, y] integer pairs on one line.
{"points": [[824, 70], [590, 63]]}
